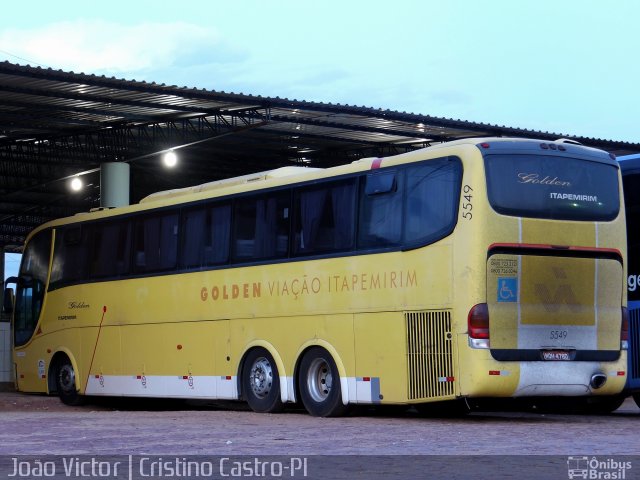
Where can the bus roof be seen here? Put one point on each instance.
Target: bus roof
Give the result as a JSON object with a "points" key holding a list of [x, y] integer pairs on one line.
{"points": [[532, 146], [630, 164], [227, 182], [299, 173]]}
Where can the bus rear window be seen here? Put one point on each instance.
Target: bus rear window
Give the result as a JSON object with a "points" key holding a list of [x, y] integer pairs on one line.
{"points": [[552, 187]]}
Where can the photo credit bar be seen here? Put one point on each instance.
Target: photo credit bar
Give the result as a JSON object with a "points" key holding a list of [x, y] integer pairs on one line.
{"points": [[320, 467]]}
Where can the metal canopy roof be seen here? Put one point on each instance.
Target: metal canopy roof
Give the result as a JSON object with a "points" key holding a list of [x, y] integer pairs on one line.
{"points": [[55, 124]]}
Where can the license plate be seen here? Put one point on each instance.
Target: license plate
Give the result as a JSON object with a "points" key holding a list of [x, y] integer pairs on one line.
{"points": [[556, 355]]}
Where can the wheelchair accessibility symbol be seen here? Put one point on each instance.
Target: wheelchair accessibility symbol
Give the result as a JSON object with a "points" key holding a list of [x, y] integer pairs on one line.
{"points": [[507, 289]]}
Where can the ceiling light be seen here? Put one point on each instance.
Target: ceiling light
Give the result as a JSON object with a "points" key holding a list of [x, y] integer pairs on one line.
{"points": [[170, 159], [76, 184]]}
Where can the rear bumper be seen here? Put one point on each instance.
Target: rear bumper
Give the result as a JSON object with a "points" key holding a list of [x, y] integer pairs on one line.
{"points": [[483, 376]]}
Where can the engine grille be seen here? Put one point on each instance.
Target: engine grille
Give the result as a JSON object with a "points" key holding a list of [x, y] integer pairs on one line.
{"points": [[429, 354]]}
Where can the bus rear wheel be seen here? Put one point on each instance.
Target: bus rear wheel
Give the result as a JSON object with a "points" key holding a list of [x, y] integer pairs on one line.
{"points": [[261, 382], [66, 384], [319, 383]]}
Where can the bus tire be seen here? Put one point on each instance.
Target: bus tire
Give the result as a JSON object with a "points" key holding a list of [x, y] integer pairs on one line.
{"points": [[319, 384], [66, 383], [261, 382]]}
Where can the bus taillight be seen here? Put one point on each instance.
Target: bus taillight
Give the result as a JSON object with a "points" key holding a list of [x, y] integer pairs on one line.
{"points": [[478, 323], [624, 329]]}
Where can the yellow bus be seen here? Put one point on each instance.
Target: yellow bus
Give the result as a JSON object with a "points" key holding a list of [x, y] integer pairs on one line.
{"points": [[479, 268]]}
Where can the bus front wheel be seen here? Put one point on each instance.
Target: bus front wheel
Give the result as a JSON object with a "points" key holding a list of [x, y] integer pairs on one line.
{"points": [[261, 382], [66, 384], [319, 383]]}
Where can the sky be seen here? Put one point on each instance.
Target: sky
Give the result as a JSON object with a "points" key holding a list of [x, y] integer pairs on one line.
{"points": [[563, 66], [567, 67]]}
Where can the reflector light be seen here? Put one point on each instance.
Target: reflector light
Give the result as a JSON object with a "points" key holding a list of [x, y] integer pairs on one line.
{"points": [[484, 145], [621, 373]]}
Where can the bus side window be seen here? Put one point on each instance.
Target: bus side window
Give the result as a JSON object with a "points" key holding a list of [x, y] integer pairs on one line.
{"points": [[380, 222], [110, 247], [193, 237], [205, 236], [433, 189], [261, 226], [156, 242], [70, 255], [218, 236], [325, 217]]}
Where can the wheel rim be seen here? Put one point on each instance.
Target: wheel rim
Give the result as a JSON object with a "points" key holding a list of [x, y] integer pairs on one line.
{"points": [[261, 377], [319, 380], [67, 379]]}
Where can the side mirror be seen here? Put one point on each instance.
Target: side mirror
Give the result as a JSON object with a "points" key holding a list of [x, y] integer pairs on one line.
{"points": [[9, 300]]}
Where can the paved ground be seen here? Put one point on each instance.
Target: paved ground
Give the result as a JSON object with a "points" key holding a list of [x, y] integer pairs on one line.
{"points": [[38, 425]]}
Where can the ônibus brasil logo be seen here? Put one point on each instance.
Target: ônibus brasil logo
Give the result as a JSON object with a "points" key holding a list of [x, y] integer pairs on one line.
{"points": [[597, 468]]}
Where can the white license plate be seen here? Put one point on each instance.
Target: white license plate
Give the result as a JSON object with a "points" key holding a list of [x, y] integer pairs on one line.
{"points": [[556, 355]]}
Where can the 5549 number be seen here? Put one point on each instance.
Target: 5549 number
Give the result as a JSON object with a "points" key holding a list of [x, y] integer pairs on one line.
{"points": [[467, 205], [558, 334]]}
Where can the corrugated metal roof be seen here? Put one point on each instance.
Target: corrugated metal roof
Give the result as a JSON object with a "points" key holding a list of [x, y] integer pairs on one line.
{"points": [[55, 124]]}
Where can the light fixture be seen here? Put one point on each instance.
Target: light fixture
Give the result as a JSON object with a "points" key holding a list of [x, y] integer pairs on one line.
{"points": [[170, 159], [76, 184]]}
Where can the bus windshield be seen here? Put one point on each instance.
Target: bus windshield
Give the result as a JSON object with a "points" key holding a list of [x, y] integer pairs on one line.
{"points": [[552, 187]]}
